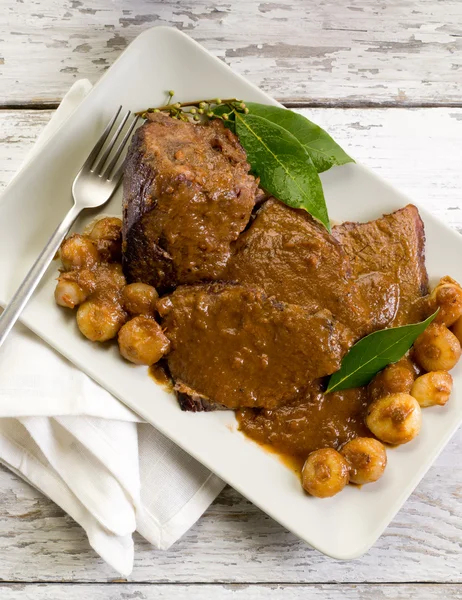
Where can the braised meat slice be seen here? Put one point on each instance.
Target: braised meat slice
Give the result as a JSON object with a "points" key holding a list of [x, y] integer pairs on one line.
{"points": [[187, 195], [234, 346], [395, 245], [294, 258]]}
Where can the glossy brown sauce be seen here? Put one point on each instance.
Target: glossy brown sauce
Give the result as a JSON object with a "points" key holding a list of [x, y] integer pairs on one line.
{"points": [[159, 373], [318, 421], [294, 462], [233, 344]]}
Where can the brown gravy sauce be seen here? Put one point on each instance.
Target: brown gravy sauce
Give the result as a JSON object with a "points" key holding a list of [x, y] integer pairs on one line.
{"points": [[294, 462], [318, 421], [159, 373]]}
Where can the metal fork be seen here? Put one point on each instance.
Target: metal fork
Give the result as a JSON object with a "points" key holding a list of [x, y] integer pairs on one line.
{"points": [[93, 186]]}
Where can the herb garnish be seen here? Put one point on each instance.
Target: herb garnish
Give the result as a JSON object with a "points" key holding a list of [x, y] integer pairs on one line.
{"points": [[285, 169], [373, 353], [285, 150], [323, 150]]}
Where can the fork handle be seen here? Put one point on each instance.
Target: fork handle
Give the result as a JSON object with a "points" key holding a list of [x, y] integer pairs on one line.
{"points": [[16, 305]]}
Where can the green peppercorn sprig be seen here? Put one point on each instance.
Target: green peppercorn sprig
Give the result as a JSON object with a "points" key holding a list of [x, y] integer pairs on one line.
{"points": [[197, 110]]}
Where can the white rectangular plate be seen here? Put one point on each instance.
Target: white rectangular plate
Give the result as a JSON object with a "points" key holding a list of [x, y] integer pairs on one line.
{"points": [[158, 60]]}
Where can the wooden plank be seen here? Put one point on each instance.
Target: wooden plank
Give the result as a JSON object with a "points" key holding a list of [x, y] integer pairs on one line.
{"points": [[234, 542], [18, 132], [360, 51], [418, 150], [228, 592]]}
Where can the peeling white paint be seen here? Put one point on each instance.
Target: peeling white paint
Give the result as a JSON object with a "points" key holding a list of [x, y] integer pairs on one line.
{"points": [[125, 591], [373, 48]]}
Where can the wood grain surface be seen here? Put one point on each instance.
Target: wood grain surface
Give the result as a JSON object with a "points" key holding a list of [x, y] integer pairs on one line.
{"points": [[228, 592], [385, 79], [325, 52], [234, 542]]}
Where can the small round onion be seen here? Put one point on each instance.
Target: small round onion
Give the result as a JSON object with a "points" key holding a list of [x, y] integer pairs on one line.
{"points": [[432, 389], [100, 321], [437, 348], [325, 473], [395, 419], [367, 459], [142, 341]]}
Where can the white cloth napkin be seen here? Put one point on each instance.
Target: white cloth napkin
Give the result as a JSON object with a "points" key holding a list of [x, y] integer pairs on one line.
{"points": [[85, 450]]}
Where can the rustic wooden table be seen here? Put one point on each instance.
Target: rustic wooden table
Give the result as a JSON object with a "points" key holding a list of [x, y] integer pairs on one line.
{"points": [[385, 78]]}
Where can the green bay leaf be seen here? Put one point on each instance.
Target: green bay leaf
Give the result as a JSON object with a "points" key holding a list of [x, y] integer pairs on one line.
{"points": [[373, 353], [285, 168], [323, 150]]}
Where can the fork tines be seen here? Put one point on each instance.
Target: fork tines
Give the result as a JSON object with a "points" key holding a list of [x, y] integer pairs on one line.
{"points": [[108, 151]]}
